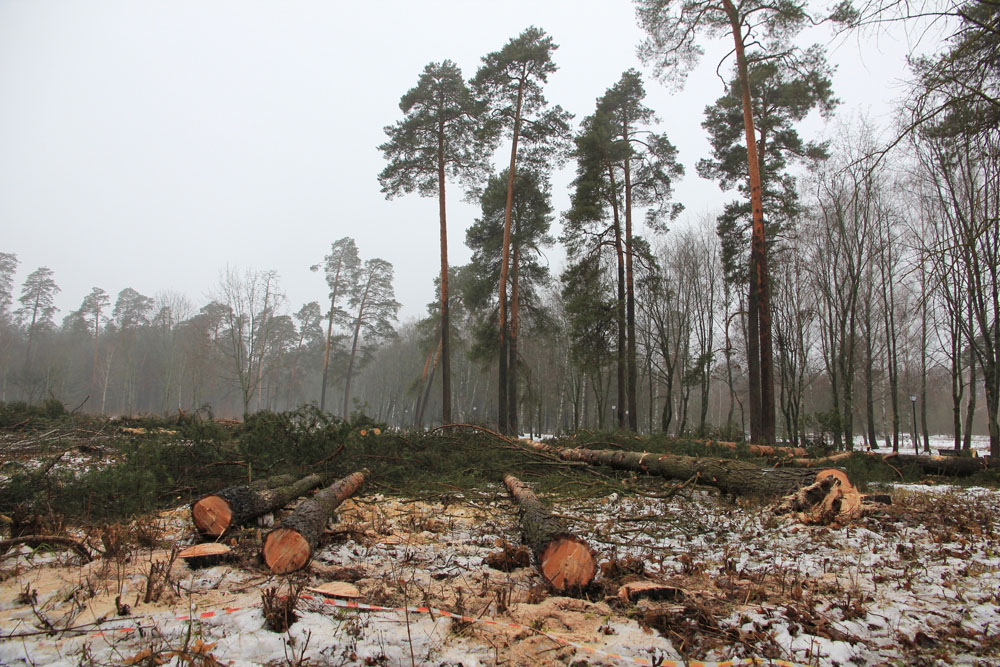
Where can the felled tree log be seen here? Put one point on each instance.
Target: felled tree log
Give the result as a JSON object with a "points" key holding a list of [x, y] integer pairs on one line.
{"points": [[957, 466], [289, 546], [564, 560], [217, 512], [759, 450], [739, 478]]}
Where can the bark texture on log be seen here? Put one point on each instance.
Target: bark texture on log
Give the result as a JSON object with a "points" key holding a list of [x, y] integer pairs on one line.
{"points": [[759, 450], [957, 466], [565, 561], [739, 478], [289, 546], [216, 513]]}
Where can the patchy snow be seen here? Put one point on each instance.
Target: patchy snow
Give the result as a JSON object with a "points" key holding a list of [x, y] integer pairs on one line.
{"points": [[980, 443], [917, 582]]}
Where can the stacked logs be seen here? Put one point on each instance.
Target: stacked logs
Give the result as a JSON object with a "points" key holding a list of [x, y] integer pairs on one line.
{"points": [[216, 513]]}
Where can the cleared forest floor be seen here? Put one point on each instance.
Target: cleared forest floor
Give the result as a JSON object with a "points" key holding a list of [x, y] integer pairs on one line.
{"points": [[917, 582]]}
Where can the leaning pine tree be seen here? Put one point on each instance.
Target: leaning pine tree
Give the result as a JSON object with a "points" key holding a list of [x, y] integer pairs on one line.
{"points": [[438, 137]]}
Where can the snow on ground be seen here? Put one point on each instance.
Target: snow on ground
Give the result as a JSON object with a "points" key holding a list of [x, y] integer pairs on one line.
{"points": [[980, 443], [916, 583]]}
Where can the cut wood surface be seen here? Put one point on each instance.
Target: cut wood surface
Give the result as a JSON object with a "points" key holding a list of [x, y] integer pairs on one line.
{"points": [[290, 545], [337, 589], [741, 478], [565, 561], [217, 512], [204, 550], [830, 499]]}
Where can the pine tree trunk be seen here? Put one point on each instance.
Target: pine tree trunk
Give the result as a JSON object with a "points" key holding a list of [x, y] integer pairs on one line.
{"points": [[329, 340], [422, 409], [445, 308], [565, 561], [620, 318], [217, 512], [502, 408], [354, 349], [761, 355], [512, 421], [632, 409], [290, 545]]}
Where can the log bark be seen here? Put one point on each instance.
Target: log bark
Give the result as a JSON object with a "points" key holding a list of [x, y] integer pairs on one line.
{"points": [[760, 450], [957, 466], [565, 561], [740, 478], [217, 512], [290, 545]]}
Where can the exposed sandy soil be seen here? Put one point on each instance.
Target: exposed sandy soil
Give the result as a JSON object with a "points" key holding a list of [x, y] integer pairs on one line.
{"points": [[918, 582]]}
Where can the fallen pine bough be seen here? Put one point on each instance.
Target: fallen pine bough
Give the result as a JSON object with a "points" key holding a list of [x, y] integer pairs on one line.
{"points": [[565, 561], [290, 545]]}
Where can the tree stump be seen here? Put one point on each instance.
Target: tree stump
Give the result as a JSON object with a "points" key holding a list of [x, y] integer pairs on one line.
{"points": [[216, 513], [290, 545], [565, 561]]}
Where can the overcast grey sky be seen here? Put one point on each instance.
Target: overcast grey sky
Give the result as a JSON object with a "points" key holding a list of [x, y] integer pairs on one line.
{"points": [[148, 144]]}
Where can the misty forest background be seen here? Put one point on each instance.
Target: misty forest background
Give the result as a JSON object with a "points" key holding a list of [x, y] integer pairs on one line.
{"points": [[882, 252]]}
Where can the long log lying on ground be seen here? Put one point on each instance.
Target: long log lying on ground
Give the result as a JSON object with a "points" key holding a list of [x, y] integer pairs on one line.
{"points": [[217, 512], [740, 478], [957, 466], [564, 560], [759, 450], [289, 546]]}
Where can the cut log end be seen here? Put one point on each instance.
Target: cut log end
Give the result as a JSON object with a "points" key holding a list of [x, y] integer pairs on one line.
{"points": [[212, 516], [286, 550], [568, 564], [845, 481]]}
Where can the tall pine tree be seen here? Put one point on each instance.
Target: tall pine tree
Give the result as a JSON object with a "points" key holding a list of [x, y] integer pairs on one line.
{"points": [[436, 139], [510, 81]]}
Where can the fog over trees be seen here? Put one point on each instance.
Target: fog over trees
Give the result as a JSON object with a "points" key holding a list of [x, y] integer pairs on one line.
{"points": [[848, 289]]}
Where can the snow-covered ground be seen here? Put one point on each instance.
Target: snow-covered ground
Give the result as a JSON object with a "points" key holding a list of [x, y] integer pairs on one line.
{"points": [[918, 582]]}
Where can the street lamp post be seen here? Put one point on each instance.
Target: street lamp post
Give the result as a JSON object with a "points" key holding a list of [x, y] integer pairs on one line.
{"points": [[916, 445]]}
